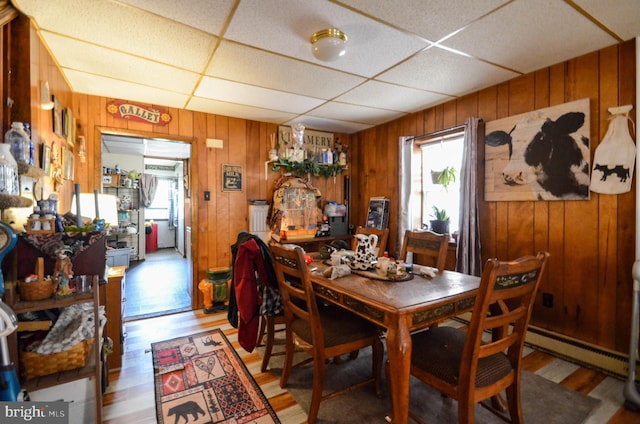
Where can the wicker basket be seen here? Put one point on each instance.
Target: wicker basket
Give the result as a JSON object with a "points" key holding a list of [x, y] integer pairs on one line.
{"points": [[36, 365], [37, 290]]}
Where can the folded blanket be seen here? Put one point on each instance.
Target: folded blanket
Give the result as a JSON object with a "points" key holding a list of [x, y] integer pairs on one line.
{"points": [[75, 324]]}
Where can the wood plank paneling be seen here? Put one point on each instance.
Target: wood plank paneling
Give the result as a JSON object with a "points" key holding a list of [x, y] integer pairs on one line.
{"points": [[591, 242]]}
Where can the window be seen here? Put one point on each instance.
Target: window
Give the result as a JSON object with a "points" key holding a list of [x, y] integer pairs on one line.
{"points": [[161, 205], [436, 154]]}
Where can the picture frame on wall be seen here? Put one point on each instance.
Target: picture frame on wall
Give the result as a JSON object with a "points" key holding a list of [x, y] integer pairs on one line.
{"points": [[231, 177], [56, 117], [67, 164], [69, 126], [45, 159]]}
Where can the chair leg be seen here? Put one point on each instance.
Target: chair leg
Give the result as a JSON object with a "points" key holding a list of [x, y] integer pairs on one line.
{"points": [[318, 385], [269, 347], [513, 401], [263, 325], [288, 359]]}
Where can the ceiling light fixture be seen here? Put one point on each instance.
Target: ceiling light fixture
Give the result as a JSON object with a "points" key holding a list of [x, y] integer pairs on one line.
{"points": [[329, 44]]}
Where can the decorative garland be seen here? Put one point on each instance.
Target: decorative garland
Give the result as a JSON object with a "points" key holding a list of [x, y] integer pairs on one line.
{"points": [[308, 167]]}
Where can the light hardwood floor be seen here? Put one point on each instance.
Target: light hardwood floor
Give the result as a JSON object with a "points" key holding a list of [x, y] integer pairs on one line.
{"points": [[130, 395]]}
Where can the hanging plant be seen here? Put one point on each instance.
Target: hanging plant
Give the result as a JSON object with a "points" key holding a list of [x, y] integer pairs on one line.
{"points": [[446, 177], [308, 167]]}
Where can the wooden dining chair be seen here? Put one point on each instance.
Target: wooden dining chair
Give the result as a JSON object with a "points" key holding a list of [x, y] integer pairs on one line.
{"points": [[322, 332], [383, 237], [460, 364], [428, 248]]}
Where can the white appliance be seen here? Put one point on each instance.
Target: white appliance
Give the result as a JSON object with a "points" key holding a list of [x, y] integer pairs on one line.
{"points": [[258, 221]]}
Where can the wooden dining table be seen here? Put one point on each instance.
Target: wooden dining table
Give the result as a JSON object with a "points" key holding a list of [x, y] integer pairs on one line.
{"points": [[400, 307]]}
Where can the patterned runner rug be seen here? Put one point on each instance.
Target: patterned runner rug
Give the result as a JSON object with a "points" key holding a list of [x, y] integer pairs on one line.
{"points": [[201, 379]]}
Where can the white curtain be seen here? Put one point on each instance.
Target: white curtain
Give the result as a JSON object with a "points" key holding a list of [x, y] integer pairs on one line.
{"points": [[404, 215], [469, 259]]}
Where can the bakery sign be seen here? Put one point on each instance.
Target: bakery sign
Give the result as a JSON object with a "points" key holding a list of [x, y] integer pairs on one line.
{"points": [[138, 113]]}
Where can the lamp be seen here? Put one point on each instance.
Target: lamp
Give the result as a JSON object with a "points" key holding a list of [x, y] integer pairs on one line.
{"points": [[45, 96], [107, 207], [329, 44]]}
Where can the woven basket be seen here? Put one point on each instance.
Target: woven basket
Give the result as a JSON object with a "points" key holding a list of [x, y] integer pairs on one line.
{"points": [[37, 290], [36, 365]]}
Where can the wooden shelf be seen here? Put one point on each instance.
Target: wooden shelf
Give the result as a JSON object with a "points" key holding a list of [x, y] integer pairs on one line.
{"points": [[31, 171], [21, 307], [14, 201]]}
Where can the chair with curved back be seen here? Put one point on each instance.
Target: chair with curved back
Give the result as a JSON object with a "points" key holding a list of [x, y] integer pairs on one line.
{"points": [[460, 364], [383, 237], [426, 246], [321, 332]]}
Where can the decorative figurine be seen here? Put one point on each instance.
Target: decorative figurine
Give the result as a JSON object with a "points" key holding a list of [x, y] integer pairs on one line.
{"points": [[63, 272]]}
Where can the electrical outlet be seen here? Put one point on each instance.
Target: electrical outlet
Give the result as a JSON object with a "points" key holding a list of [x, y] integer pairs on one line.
{"points": [[547, 300], [207, 195]]}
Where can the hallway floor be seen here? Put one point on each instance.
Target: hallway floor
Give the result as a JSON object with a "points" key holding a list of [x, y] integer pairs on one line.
{"points": [[157, 285]]}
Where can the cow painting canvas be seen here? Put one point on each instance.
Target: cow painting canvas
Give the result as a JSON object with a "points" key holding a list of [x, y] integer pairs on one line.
{"points": [[540, 155]]}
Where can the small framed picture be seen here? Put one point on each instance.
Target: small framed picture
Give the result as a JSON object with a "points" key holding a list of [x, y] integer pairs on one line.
{"points": [[69, 127], [45, 159], [231, 178], [67, 164], [56, 117]]}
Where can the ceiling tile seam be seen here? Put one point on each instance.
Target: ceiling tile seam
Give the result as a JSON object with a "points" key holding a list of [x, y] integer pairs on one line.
{"points": [[220, 37], [381, 21], [594, 20], [124, 81]]}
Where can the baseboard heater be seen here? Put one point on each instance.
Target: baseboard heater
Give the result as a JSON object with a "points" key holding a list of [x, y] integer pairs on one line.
{"points": [[582, 353]]}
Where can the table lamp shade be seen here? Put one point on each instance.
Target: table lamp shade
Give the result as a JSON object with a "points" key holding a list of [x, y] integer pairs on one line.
{"points": [[107, 207]]}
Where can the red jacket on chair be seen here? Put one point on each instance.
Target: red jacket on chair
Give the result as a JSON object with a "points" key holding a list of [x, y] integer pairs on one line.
{"points": [[249, 266]]}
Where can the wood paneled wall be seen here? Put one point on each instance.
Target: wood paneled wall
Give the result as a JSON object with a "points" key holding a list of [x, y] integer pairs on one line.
{"points": [[591, 242], [215, 223]]}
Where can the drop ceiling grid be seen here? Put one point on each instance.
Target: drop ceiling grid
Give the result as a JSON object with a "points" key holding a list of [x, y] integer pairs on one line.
{"points": [[233, 61], [529, 35], [111, 64], [235, 110], [432, 19], [100, 86]]}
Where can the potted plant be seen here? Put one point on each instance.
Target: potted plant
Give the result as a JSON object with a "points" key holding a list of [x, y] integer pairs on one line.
{"points": [[446, 177], [440, 222]]}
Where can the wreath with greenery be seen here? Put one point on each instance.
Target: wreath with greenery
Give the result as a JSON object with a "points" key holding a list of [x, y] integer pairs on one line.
{"points": [[308, 167]]}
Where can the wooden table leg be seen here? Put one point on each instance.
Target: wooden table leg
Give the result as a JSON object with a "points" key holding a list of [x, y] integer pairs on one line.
{"points": [[399, 352]]}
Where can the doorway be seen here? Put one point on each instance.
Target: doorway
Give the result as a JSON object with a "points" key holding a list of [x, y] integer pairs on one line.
{"points": [[158, 280]]}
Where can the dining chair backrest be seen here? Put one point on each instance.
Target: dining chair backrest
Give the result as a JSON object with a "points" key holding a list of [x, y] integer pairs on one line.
{"points": [[464, 366], [505, 299], [383, 237], [298, 297], [428, 248], [320, 330]]}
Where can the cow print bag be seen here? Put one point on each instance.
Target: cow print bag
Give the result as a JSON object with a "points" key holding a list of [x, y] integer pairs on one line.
{"points": [[614, 158]]}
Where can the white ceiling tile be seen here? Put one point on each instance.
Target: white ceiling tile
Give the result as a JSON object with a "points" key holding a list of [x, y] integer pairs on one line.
{"points": [[238, 111], [333, 125], [355, 113], [73, 54], [530, 35], [127, 29], [206, 15], [371, 47], [392, 97], [439, 70], [432, 19], [623, 17], [241, 63], [233, 92], [100, 86]]}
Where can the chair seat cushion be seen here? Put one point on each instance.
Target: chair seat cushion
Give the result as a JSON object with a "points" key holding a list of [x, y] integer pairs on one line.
{"points": [[438, 351], [339, 326]]}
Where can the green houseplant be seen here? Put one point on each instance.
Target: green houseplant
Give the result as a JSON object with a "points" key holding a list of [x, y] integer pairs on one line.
{"points": [[446, 177], [440, 222]]}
